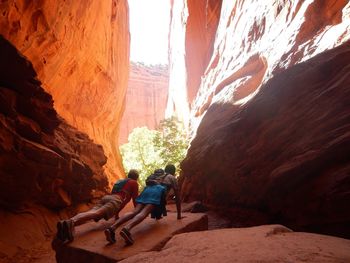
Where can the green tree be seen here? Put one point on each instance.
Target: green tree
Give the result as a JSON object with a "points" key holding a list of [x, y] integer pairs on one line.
{"points": [[171, 141], [148, 150], [140, 153]]}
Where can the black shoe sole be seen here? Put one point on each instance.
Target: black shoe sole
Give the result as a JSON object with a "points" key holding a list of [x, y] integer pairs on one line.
{"points": [[60, 233], [68, 230], [110, 236], [127, 238]]}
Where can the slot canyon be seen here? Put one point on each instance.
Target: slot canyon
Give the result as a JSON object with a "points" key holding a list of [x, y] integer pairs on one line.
{"points": [[263, 88]]}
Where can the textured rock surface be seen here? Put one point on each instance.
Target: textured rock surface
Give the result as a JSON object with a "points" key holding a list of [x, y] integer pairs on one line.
{"points": [[270, 243], [192, 32], [201, 26], [80, 51], [26, 233], [146, 98], [45, 164], [281, 156], [43, 159], [284, 153], [90, 243], [253, 41]]}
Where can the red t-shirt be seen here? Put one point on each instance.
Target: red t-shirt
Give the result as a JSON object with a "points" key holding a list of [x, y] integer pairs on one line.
{"points": [[129, 190]]}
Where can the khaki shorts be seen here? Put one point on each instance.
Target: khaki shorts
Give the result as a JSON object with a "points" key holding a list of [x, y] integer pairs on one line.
{"points": [[110, 204]]}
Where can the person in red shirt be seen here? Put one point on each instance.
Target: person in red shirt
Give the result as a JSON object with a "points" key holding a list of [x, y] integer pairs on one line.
{"points": [[109, 206]]}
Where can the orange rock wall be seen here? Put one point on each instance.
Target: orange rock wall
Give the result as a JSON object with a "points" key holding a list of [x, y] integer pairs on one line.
{"points": [[145, 99], [43, 160], [193, 28], [270, 119], [80, 51], [199, 40], [252, 42]]}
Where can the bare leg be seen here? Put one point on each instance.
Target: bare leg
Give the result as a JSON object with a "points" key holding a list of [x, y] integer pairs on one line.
{"points": [[127, 216], [147, 209], [81, 218]]}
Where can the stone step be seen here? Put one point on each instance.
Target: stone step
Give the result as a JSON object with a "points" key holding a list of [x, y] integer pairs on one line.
{"points": [[91, 246]]}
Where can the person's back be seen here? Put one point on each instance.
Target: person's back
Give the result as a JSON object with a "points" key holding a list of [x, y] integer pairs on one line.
{"points": [[129, 191], [169, 179]]}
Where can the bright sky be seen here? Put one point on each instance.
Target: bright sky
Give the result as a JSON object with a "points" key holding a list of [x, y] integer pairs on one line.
{"points": [[149, 27]]}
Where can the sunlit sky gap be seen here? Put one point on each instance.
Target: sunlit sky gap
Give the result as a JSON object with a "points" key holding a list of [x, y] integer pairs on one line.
{"points": [[149, 27]]}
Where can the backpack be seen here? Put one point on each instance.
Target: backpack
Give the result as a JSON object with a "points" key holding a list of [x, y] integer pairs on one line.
{"points": [[156, 178], [118, 186]]}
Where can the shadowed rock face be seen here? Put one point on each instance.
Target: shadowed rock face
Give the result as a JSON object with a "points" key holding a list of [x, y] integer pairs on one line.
{"points": [[80, 51], [42, 158], [270, 119], [283, 154], [145, 99]]}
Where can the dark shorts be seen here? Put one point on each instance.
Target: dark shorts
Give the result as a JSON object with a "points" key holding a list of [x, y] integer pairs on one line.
{"points": [[110, 204]]}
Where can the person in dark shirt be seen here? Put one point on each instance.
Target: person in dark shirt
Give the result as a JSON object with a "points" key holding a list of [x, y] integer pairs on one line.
{"points": [[109, 206]]}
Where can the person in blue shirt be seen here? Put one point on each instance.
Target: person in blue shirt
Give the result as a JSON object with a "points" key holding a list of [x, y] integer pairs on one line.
{"points": [[150, 199]]}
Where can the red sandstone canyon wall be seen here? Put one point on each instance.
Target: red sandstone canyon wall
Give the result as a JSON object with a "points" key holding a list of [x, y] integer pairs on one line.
{"points": [[146, 98], [80, 51], [193, 27], [43, 160], [270, 119]]}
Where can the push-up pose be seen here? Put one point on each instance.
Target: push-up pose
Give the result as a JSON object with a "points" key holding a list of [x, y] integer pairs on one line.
{"points": [[157, 187], [110, 205]]}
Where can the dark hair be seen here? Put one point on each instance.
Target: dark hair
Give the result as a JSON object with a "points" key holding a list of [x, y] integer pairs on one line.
{"points": [[158, 172], [170, 169], [133, 174]]}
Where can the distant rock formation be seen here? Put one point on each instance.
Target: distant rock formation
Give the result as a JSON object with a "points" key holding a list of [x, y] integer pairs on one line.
{"points": [[270, 119], [146, 98], [43, 159], [80, 51]]}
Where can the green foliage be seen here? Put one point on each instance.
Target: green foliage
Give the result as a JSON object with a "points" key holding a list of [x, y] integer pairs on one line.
{"points": [[148, 150], [140, 152], [172, 141]]}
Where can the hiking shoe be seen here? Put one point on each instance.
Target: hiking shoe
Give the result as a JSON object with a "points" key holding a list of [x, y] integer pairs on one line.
{"points": [[125, 234], [68, 229], [110, 235], [60, 233]]}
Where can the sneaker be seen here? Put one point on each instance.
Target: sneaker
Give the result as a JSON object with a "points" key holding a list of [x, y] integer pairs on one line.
{"points": [[125, 234], [110, 235], [60, 233], [68, 229]]}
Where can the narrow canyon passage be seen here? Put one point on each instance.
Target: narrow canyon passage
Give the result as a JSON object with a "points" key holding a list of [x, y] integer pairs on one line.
{"points": [[261, 87]]}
